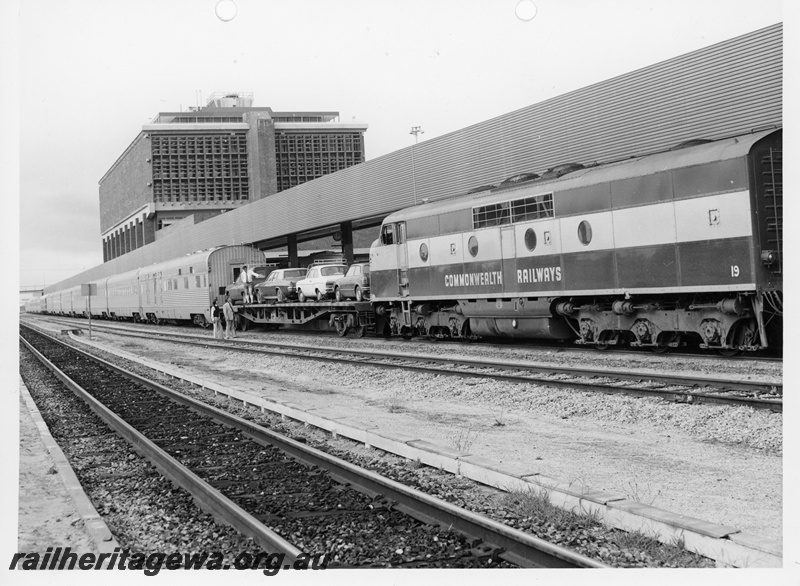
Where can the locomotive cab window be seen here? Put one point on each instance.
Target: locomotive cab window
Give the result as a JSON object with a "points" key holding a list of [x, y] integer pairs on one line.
{"points": [[387, 234]]}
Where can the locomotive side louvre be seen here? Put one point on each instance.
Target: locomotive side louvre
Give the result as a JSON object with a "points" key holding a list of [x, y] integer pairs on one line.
{"points": [[673, 226]]}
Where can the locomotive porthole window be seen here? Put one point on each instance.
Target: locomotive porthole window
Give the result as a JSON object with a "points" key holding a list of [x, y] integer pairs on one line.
{"points": [[585, 232], [472, 245], [530, 239], [423, 252]]}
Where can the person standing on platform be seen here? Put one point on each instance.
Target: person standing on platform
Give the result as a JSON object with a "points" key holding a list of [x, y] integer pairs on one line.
{"points": [[227, 310], [216, 319]]}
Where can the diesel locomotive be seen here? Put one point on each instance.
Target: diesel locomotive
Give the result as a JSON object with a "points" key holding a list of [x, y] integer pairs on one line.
{"points": [[651, 251]]}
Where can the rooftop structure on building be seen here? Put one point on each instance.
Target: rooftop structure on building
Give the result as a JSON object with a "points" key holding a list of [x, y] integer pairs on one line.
{"points": [[186, 167]]}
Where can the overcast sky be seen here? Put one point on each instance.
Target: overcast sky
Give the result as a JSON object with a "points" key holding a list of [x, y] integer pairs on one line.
{"points": [[91, 72]]}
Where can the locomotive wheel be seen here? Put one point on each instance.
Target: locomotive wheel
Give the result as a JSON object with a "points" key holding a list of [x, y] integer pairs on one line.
{"points": [[341, 328], [301, 297], [360, 331], [407, 332], [728, 352], [601, 345], [359, 294]]}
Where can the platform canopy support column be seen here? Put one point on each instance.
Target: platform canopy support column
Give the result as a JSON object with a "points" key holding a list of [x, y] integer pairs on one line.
{"points": [[347, 241], [291, 246]]}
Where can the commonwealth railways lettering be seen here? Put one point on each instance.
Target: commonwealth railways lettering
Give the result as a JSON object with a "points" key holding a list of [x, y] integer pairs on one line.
{"points": [[474, 279], [539, 275]]}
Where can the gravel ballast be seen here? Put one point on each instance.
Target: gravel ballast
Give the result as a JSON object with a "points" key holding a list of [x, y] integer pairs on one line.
{"points": [[720, 464]]}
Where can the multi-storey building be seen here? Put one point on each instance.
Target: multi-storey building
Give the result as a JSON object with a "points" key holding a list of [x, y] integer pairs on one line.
{"points": [[186, 167]]}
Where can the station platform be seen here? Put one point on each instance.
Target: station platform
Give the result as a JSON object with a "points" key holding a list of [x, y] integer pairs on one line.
{"points": [[54, 510]]}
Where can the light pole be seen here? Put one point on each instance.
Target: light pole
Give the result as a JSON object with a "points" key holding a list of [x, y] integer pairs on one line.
{"points": [[416, 131]]}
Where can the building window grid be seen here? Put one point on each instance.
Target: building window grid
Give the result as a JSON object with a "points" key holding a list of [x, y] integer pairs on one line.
{"points": [[200, 168], [303, 157]]}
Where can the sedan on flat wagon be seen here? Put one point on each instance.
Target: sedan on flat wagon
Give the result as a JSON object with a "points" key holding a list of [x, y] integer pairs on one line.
{"points": [[355, 284], [319, 282], [281, 285]]}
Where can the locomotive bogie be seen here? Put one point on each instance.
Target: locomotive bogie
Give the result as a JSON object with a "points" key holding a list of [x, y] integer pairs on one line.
{"points": [[729, 323]]}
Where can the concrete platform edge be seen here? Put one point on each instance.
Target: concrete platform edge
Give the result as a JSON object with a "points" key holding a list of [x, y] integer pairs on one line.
{"points": [[94, 523]]}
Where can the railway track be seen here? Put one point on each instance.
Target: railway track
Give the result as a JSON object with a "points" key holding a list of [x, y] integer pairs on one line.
{"points": [[757, 394], [535, 345], [288, 497]]}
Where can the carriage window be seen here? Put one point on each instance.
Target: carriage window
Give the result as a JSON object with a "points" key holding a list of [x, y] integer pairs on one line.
{"points": [[387, 234], [423, 252]]}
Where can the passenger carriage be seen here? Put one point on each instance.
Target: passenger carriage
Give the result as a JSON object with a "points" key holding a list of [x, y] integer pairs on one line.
{"points": [[183, 288], [121, 296]]}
